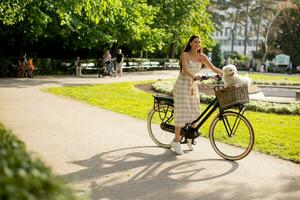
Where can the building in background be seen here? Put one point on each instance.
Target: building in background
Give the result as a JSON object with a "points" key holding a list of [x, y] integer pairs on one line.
{"points": [[224, 38]]}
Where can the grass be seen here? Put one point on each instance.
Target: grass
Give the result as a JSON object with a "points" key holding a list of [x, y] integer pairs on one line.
{"points": [[279, 77], [278, 135]]}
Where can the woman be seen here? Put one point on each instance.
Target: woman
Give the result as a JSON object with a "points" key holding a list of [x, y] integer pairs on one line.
{"points": [[107, 62], [31, 68], [185, 90]]}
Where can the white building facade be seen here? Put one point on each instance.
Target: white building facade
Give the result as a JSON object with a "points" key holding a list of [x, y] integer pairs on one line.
{"points": [[224, 38]]}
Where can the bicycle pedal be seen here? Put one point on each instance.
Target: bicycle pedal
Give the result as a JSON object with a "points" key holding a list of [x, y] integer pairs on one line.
{"points": [[183, 140]]}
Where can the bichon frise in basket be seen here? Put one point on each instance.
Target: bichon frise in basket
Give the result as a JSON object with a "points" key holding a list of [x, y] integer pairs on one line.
{"points": [[232, 78]]}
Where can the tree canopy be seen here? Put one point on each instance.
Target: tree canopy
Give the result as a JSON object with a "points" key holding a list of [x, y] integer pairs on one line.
{"points": [[66, 26]]}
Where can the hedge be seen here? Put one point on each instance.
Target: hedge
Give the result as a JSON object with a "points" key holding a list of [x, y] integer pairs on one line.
{"points": [[24, 176]]}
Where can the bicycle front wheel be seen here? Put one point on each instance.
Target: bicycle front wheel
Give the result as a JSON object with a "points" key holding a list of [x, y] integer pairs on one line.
{"points": [[157, 116], [236, 131]]}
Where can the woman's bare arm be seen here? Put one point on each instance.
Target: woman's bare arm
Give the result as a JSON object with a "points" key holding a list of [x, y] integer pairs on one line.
{"points": [[207, 62]]}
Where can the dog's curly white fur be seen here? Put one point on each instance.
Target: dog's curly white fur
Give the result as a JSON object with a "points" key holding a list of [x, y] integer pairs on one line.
{"points": [[232, 78]]}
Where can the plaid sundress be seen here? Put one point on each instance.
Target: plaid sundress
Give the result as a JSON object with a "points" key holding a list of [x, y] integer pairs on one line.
{"points": [[186, 96]]}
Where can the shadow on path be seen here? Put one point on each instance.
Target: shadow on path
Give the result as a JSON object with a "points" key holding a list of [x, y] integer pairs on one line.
{"points": [[137, 173]]}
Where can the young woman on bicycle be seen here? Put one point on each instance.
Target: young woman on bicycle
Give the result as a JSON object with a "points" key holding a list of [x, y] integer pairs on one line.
{"points": [[185, 89]]}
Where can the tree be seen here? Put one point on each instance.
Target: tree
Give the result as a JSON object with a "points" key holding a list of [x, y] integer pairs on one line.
{"points": [[181, 19], [260, 12], [66, 27], [76, 24], [233, 13], [216, 55], [215, 9], [279, 7], [287, 38]]}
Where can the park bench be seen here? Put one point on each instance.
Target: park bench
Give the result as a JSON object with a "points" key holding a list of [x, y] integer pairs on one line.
{"points": [[85, 66], [68, 66], [89, 67], [150, 64], [172, 64], [129, 66]]}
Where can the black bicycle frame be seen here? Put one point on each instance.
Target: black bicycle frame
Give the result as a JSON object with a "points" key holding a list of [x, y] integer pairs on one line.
{"points": [[206, 113], [236, 123], [209, 111]]}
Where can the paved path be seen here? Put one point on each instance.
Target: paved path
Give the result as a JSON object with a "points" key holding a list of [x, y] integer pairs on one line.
{"points": [[106, 155]]}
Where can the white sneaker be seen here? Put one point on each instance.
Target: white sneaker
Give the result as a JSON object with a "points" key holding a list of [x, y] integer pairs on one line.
{"points": [[189, 144], [177, 147]]}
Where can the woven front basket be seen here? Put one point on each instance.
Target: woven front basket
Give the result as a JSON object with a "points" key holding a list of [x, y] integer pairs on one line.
{"points": [[232, 96]]}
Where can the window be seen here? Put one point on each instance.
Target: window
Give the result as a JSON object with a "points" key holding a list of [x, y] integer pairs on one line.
{"points": [[227, 31]]}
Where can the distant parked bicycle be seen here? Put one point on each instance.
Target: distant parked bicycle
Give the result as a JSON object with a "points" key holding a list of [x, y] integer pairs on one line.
{"points": [[228, 126]]}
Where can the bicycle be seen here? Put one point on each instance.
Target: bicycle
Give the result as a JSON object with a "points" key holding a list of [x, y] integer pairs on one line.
{"points": [[228, 126]]}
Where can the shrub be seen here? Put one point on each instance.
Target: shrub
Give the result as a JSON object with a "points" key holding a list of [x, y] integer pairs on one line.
{"points": [[24, 176], [216, 55], [4, 64]]}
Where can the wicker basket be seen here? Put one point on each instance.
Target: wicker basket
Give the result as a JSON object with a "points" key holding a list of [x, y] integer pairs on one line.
{"points": [[232, 95]]}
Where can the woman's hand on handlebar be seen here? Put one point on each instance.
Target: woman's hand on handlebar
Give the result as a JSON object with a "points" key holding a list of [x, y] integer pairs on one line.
{"points": [[205, 77], [197, 77], [218, 77]]}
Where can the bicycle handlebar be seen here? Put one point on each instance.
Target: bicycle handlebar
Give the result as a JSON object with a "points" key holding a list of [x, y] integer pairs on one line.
{"points": [[216, 77]]}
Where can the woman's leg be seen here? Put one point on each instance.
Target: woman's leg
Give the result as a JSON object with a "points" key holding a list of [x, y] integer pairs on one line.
{"points": [[177, 134], [176, 142]]}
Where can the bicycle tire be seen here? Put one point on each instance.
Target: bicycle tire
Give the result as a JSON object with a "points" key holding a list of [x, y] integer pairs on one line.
{"points": [[240, 144], [160, 137]]}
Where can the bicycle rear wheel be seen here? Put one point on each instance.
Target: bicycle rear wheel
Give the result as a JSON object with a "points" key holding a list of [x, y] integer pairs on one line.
{"points": [[162, 114], [234, 129]]}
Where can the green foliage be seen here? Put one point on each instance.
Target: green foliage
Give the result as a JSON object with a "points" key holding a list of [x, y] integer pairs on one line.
{"points": [[12, 11], [216, 55], [24, 176], [284, 83], [147, 26], [288, 38], [258, 55], [182, 19], [4, 63], [77, 24]]}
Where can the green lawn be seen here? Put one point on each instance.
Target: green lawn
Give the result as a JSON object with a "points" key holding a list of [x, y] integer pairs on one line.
{"points": [[278, 135], [279, 77]]}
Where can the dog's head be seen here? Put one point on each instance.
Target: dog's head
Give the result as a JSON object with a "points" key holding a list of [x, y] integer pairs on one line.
{"points": [[229, 70]]}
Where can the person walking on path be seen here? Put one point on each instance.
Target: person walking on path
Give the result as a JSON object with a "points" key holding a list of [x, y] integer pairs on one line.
{"points": [[108, 63], [119, 63], [78, 66], [185, 89]]}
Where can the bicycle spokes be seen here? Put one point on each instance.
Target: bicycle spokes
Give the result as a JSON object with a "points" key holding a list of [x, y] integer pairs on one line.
{"points": [[233, 129], [161, 125]]}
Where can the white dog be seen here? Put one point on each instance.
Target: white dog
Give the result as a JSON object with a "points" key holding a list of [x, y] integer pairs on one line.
{"points": [[232, 78]]}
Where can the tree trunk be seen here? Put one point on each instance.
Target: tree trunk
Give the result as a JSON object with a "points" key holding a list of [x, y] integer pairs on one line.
{"points": [[233, 31], [258, 27], [246, 29], [172, 51], [267, 37], [141, 54]]}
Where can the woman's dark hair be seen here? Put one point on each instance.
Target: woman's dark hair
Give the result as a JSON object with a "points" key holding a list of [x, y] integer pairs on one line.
{"points": [[188, 48]]}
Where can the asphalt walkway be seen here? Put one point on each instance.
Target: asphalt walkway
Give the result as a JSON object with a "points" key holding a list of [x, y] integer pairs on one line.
{"points": [[106, 155]]}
